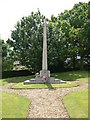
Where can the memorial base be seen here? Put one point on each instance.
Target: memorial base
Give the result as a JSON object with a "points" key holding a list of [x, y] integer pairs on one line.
{"points": [[39, 80]]}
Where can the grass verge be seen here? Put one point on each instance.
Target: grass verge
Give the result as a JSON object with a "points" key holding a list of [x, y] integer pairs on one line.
{"points": [[67, 76], [14, 106], [71, 75], [14, 79], [77, 104], [3, 82], [21, 85], [84, 79]]}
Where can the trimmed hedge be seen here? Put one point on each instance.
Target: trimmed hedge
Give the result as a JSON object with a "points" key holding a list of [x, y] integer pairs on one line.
{"points": [[8, 74]]}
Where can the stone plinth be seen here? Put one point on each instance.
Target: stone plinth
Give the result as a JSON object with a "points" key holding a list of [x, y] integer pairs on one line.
{"points": [[39, 80], [34, 81], [45, 73]]}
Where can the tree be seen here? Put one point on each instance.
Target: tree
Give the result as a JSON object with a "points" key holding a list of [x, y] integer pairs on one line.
{"points": [[58, 37], [7, 57], [78, 20], [27, 41], [67, 37], [80, 29]]}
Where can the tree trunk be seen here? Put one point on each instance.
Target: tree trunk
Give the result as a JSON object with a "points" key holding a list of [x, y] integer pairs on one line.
{"points": [[73, 60], [82, 62]]}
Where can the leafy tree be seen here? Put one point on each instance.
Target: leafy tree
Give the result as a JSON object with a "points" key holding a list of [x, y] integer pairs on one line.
{"points": [[0, 58], [58, 37], [79, 22], [67, 36], [7, 57], [27, 40], [78, 33]]}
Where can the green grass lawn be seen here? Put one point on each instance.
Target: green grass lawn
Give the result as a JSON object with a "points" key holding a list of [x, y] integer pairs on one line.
{"points": [[67, 76], [3, 82], [0, 106], [71, 75], [77, 104], [14, 79], [84, 79], [21, 85], [14, 106]]}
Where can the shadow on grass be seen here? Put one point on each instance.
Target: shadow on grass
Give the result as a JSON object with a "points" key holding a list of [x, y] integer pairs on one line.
{"points": [[49, 86], [17, 79], [71, 75]]}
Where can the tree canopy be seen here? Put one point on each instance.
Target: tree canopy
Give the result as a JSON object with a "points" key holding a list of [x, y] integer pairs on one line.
{"points": [[67, 37], [8, 56]]}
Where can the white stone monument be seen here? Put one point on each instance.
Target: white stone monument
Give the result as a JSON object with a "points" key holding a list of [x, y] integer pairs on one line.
{"points": [[44, 73]]}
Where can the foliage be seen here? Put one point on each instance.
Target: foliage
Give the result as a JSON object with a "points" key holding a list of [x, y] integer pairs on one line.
{"points": [[7, 57], [27, 40], [67, 36], [57, 47], [77, 104], [15, 73], [14, 106], [75, 36]]}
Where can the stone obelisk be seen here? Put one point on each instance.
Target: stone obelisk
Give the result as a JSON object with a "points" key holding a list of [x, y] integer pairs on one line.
{"points": [[44, 58], [44, 73]]}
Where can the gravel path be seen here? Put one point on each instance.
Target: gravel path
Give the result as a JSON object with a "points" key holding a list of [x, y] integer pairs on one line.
{"points": [[46, 103]]}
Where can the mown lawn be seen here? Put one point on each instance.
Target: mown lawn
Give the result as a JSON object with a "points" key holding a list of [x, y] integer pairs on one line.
{"points": [[51, 86], [67, 76], [14, 79], [77, 104], [84, 79], [14, 106], [71, 75], [3, 82]]}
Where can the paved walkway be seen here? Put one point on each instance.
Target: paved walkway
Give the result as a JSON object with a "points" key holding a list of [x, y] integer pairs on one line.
{"points": [[46, 103]]}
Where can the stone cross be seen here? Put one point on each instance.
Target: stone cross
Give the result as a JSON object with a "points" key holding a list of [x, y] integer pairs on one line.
{"points": [[44, 58]]}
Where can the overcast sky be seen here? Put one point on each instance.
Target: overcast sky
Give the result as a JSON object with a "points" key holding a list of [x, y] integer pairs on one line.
{"points": [[12, 11]]}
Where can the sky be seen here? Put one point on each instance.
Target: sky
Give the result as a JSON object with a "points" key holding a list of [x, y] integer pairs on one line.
{"points": [[12, 11]]}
